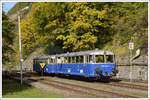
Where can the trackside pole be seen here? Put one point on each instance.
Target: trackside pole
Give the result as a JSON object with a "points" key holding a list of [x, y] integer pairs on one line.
{"points": [[19, 29], [130, 69], [21, 60], [130, 65], [131, 46], [42, 66]]}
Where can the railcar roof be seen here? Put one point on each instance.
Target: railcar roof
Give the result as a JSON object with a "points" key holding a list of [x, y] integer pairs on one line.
{"points": [[90, 52]]}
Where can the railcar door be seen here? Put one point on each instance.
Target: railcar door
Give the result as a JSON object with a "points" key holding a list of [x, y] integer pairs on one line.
{"points": [[61, 68], [58, 65], [77, 67], [82, 65]]}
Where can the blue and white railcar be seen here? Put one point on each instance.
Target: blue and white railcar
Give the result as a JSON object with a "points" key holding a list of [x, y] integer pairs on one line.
{"points": [[94, 63]]}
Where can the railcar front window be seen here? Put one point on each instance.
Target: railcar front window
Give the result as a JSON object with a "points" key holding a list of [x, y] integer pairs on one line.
{"points": [[99, 58], [109, 59]]}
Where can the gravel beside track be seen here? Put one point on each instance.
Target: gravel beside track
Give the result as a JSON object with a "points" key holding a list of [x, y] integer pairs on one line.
{"points": [[128, 86], [104, 86], [127, 80], [83, 89]]}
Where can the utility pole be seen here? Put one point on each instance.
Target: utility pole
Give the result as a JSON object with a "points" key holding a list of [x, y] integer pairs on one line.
{"points": [[20, 47], [21, 60]]}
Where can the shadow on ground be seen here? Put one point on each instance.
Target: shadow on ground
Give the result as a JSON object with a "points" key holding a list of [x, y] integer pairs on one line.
{"points": [[86, 79], [10, 86]]}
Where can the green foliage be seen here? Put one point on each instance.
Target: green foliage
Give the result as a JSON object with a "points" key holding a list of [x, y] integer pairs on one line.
{"points": [[29, 36], [13, 89], [133, 22], [131, 26], [37, 30], [7, 38], [84, 26]]}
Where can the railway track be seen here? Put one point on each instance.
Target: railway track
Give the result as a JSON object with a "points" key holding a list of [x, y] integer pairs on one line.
{"points": [[82, 89], [53, 84], [127, 80], [89, 91], [126, 85], [123, 85]]}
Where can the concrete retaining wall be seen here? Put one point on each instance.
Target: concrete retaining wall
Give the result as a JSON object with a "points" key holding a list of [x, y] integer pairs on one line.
{"points": [[138, 72], [140, 68]]}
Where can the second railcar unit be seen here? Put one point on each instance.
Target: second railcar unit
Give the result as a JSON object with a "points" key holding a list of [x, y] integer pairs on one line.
{"points": [[94, 63]]}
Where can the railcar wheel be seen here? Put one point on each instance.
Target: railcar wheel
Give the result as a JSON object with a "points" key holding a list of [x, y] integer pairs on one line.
{"points": [[105, 79], [90, 79]]}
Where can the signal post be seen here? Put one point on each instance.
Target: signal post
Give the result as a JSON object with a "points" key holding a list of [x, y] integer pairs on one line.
{"points": [[131, 47]]}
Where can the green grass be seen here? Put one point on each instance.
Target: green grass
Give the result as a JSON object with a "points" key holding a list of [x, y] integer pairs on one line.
{"points": [[12, 89]]}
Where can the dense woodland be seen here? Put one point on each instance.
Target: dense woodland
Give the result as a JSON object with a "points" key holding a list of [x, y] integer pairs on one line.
{"points": [[69, 27], [8, 36]]}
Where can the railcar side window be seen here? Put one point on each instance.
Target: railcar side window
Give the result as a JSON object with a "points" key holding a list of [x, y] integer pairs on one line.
{"points": [[99, 58], [51, 61], [58, 60], [69, 60], [65, 60], [45, 61], [109, 59], [81, 59], [48, 61], [86, 59], [73, 60], [62, 60], [90, 59], [37, 62], [77, 59], [55, 61]]}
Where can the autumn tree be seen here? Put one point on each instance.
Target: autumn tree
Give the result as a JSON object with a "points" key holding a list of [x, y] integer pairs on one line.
{"points": [[62, 26], [7, 38], [84, 26]]}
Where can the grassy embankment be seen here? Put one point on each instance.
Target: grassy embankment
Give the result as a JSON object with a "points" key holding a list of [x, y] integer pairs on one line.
{"points": [[13, 89]]}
